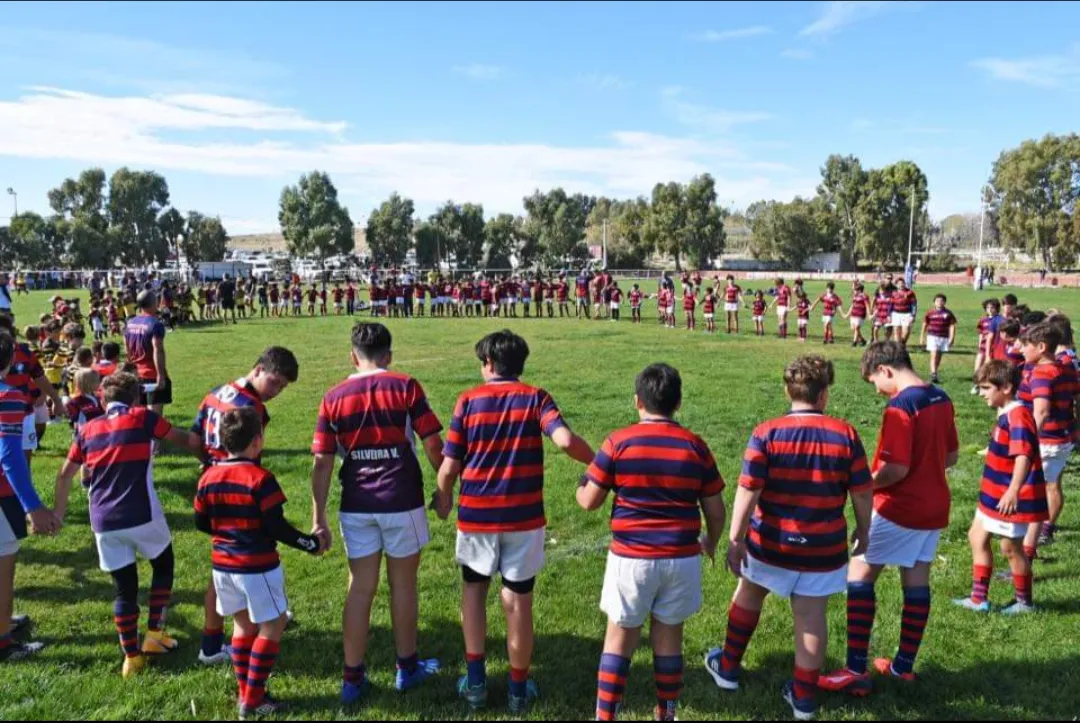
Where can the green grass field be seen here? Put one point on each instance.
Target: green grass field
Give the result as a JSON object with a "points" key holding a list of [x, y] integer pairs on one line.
{"points": [[971, 667]]}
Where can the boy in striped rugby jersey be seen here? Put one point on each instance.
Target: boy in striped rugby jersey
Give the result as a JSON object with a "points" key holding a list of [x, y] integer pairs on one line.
{"points": [[372, 420], [917, 443], [240, 504], [1012, 494], [1048, 389], [663, 477], [1070, 368], [125, 514], [788, 530], [495, 445], [18, 502], [938, 334]]}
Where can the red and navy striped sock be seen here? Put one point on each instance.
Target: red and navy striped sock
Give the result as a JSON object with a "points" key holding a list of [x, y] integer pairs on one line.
{"points": [[263, 657], [861, 609], [477, 669], [916, 614], [1023, 585], [611, 685], [126, 618], [741, 626], [240, 652], [668, 673], [980, 582], [159, 603], [518, 679], [805, 684]]}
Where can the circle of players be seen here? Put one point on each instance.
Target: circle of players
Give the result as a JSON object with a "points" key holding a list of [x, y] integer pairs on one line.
{"points": [[788, 534]]}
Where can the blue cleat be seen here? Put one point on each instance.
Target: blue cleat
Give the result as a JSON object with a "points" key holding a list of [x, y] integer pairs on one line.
{"points": [[474, 695], [424, 670], [802, 710], [724, 681], [519, 704], [353, 693]]}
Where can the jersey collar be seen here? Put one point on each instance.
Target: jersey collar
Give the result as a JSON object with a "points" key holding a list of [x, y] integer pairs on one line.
{"points": [[370, 373], [116, 406], [503, 380], [1009, 407]]}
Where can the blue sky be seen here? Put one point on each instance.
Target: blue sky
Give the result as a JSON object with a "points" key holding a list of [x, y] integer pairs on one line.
{"points": [[488, 101]]}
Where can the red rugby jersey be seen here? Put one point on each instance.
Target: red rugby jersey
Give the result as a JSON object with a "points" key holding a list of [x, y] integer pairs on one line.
{"points": [[860, 304], [803, 308], [805, 464], [904, 301], [14, 406], [709, 303], [759, 307], [371, 419], [830, 303], [732, 294], [496, 434], [236, 494], [25, 368], [783, 295], [918, 431], [1014, 435], [635, 298], [660, 472]]}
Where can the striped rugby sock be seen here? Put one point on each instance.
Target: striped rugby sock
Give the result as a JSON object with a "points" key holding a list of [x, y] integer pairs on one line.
{"points": [[611, 685], [126, 618], [741, 626], [264, 655], [240, 652], [980, 582], [916, 614], [159, 603], [1024, 585], [668, 673], [861, 609]]}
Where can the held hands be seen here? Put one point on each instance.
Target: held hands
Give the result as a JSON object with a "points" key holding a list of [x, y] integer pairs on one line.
{"points": [[44, 522], [326, 539], [442, 504]]}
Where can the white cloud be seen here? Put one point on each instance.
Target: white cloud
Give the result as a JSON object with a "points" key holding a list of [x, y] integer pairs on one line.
{"points": [[1043, 71], [840, 13], [720, 36], [704, 118], [179, 133], [796, 54], [604, 81], [479, 71]]}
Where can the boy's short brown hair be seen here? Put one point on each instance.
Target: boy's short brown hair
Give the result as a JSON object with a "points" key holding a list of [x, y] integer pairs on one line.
{"points": [[84, 357], [1043, 333], [239, 428], [121, 387], [1000, 373], [885, 354], [808, 377], [1062, 324]]}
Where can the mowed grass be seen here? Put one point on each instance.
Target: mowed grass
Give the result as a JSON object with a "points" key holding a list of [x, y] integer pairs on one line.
{"points": [[971, 667]]}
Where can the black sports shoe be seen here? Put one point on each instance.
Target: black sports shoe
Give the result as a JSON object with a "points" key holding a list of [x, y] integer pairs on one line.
{"points": [[20, 651], [269, 706]]}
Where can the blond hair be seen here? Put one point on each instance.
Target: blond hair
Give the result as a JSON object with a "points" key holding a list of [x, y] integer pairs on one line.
{"points": [[87, 381]]}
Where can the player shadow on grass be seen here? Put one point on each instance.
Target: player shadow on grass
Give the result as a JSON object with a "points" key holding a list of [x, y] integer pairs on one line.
{"points": [[567, 690]]}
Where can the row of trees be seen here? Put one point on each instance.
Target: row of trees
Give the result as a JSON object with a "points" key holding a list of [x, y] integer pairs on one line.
{"points": [[681, 221], [97, 223], [864, 214]]}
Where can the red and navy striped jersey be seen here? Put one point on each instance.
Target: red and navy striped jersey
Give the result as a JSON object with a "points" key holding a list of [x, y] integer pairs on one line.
{"points": [[235, 494], [582, 285], [783, 295], [660, 472], [918, 432], [983, 327], [635, 298], [803, 308], [759, 307], [25, 368], [830, 303], [882, 308], [804, 463], [689, 302], [938, 322], [903, 302], [1014, 435], [563, 290], [14, 406], [81, 409], [860, 303], [709, 303], [116, 449], [105, 368], [496, 435], [371, 419], [1056, 383], [616, 296], [732, 293], [139, 335], [218, 403]]}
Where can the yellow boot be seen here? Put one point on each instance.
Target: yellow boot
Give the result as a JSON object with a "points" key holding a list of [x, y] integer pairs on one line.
{"points": [[134, 666], [158, 643]]}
